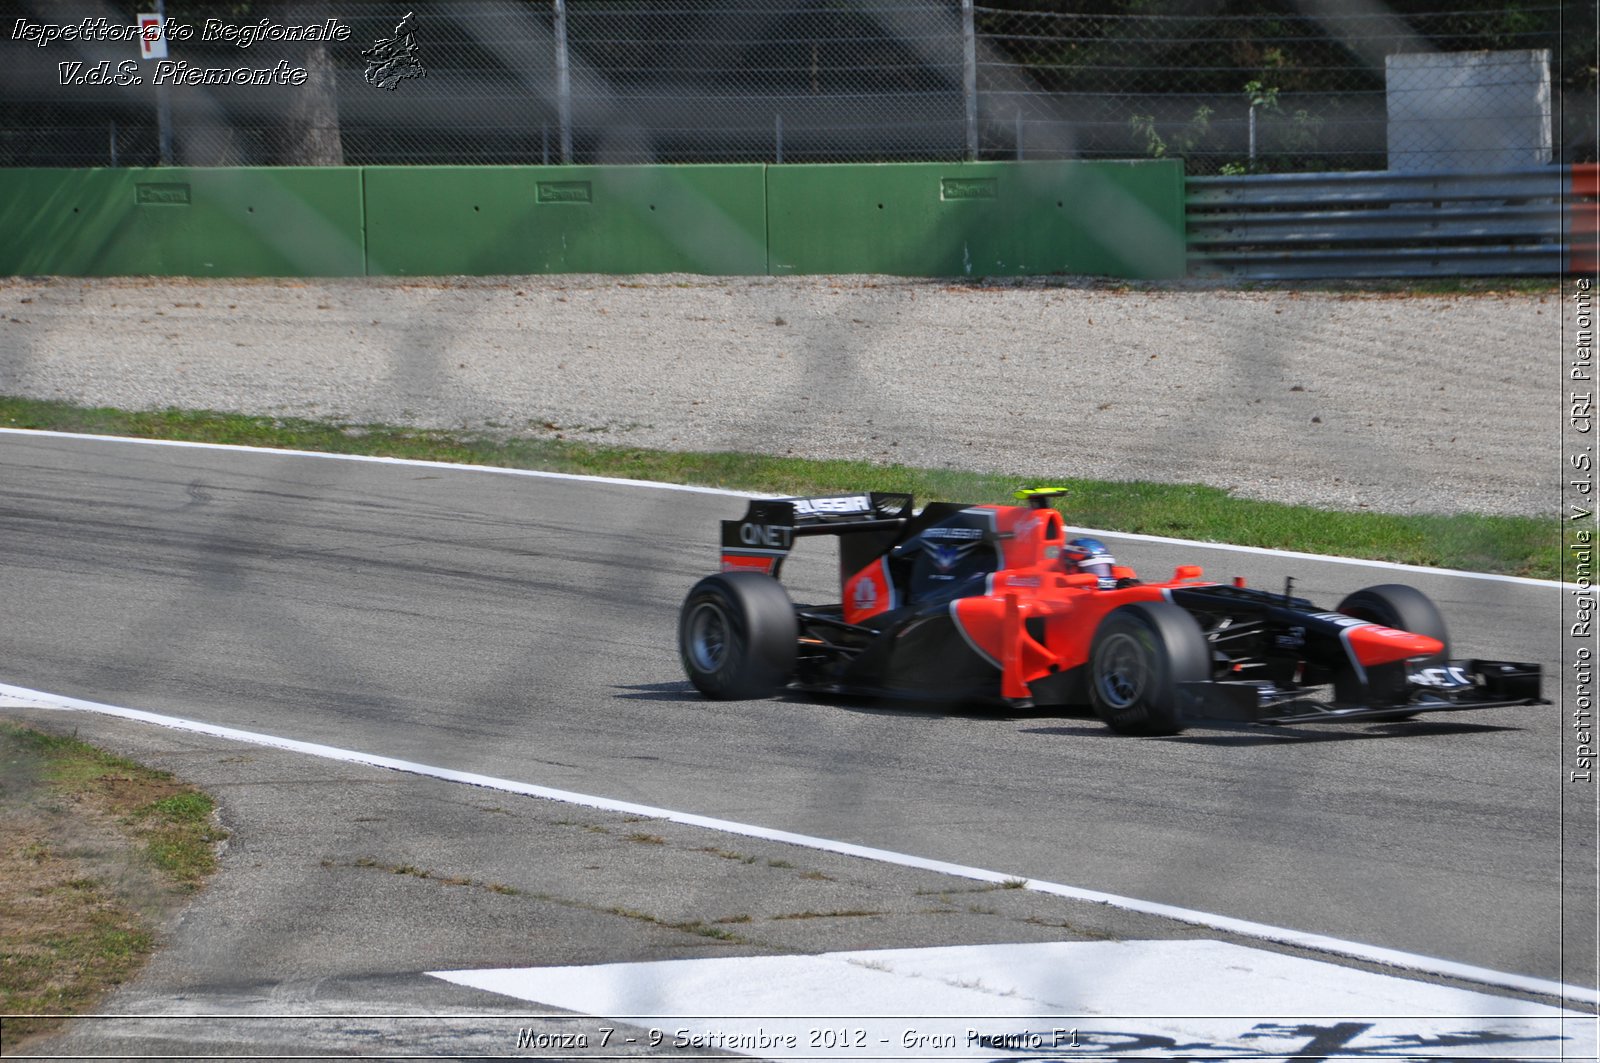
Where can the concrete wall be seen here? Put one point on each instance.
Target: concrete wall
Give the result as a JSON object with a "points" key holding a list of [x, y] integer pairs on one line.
{"points": [[223, 222], [977, 219], [914, 219], [566, 219]]}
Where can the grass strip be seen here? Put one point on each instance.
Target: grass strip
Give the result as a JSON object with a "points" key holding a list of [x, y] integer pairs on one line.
{"points": [[94, 849], [1518, 546]]}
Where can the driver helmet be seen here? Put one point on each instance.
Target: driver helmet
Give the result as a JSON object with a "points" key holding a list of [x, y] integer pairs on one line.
{"points": [[1091, 556]]}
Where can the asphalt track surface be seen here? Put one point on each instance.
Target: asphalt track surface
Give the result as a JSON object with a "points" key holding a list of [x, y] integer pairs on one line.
{"points": [[523, 628]]}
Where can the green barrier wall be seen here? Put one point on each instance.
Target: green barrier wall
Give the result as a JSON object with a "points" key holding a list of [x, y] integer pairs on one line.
{"points": [[916, 219], [566, 219], [200, 222], [1120, 219]]}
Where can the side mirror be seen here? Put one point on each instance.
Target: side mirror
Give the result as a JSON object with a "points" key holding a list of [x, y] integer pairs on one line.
{"points": [[1183, 572]]}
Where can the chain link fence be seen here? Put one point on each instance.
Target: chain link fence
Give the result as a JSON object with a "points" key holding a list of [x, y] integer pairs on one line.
{"points": [[1251, 87], [1304, 87]]}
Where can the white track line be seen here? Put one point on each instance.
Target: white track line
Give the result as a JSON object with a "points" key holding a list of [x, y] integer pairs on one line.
{"points": [[374, 459], [658, 485], [1394, 566], [1243, 928]]}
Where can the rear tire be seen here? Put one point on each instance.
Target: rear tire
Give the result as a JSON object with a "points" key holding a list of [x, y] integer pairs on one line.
{"points": [[1398, 606], [737, 636], [1139, 655]]}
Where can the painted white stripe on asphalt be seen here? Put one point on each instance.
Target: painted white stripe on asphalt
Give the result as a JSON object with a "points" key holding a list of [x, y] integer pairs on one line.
{"points": [[1195, 999], [15, 696], [375, 459], [1393, 566], [727, 492]]}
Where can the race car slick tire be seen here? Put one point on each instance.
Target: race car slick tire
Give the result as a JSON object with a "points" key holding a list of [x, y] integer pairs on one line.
{"points": [[737, 636], [1398, 606], [1139, 655]]}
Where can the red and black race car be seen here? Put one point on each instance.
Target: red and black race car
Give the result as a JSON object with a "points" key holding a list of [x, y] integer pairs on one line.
{"points": [[994, 602]]}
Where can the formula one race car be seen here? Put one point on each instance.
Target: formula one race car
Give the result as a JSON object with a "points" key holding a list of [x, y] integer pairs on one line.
{"points": [[995, 603]]}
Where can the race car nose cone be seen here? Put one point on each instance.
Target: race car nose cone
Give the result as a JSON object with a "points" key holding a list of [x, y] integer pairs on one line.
{"points": [[1376, 644]]}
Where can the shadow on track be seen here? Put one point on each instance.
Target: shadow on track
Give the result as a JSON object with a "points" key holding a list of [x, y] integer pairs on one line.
{"points": [[682, 690], [1259, 736], [1220, 734]]}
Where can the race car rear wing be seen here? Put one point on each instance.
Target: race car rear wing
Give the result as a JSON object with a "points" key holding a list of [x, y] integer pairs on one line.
{"points": [[765, 535]]}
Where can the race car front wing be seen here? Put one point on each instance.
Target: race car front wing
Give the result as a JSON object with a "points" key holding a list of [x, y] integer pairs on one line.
{"points": [[1455, 687]]}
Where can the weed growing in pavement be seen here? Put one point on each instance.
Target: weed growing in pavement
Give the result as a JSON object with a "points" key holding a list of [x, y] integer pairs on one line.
{"points": [[412, 871], [727, 854]]}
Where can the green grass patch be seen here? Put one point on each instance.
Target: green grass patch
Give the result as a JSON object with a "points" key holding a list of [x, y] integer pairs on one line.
{"points": [[93, 849], [186, 855], [65, 971], [1519, 546], [72, 765], [1411, 287], [184, 809]]}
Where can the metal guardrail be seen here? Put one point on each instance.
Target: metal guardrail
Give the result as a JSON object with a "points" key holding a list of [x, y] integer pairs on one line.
{"points": [[1379, 224]]}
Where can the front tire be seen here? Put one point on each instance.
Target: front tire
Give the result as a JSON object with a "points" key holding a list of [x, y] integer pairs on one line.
{"points": [[737, 636], [1398, 606], [1139, 655]]}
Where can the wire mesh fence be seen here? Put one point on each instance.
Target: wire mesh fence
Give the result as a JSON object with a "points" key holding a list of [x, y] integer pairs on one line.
{"points": [[1251, 86], [1303, 88], [732, 82]]}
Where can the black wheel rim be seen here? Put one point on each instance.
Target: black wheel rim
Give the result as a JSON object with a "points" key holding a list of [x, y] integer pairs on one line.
{"points": [[1122, 671], [708, 637]]}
